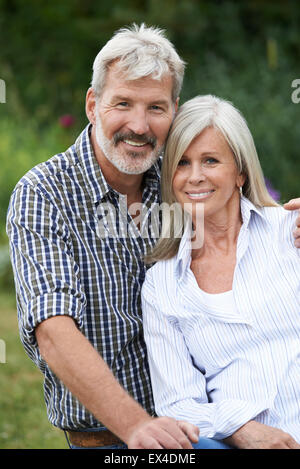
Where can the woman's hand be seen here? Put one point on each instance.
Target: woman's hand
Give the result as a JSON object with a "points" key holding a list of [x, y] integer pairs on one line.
{"points": [[255, 435]]}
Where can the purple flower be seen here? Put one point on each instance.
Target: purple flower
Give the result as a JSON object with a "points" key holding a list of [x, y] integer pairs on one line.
{"points": [[67, 120], [273, 192]]}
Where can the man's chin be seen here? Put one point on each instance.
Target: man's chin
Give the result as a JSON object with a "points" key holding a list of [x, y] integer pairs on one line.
{"points": [[132, 170], [139, 165]]}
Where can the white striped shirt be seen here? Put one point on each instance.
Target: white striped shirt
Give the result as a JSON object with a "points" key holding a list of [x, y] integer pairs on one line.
{"points": [[217, 367]]}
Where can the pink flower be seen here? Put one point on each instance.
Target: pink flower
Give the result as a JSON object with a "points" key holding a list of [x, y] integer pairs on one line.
{"points": [[273, 192], [67, 120]]}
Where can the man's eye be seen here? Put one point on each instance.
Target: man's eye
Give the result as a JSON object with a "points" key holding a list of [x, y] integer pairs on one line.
{"points": [[154, 107], [123, 104]]}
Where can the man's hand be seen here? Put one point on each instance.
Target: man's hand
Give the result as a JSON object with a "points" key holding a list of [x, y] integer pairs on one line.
{"points": [[163, 433], [254, 435], [294, 204]]}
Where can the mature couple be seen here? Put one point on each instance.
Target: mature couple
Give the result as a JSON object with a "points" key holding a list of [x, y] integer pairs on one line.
{"points": [[221, 318]]}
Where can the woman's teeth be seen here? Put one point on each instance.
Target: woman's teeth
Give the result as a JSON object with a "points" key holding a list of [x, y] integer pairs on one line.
{"points": [[199, 195]]}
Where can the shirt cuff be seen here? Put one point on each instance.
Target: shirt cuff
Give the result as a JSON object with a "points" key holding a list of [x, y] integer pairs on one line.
{"points": [[46, 306], [228, 416]]}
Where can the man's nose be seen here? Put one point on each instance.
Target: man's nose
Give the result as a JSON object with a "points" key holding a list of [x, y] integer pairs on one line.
{"points": [[138, 122]]}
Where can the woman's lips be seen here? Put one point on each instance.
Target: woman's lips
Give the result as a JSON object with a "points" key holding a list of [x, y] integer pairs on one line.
{"points": [[199, 195]]}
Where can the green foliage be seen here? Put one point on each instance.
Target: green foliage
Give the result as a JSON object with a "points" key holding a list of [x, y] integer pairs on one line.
{"points": [[22, 147], [23, 422], [6, 275]]}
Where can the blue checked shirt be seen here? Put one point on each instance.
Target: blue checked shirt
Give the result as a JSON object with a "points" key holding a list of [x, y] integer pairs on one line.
{"points": [[68, 260]]}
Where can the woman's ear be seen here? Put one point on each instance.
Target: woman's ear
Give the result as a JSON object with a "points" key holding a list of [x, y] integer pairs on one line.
{"points": [[240, 181]]}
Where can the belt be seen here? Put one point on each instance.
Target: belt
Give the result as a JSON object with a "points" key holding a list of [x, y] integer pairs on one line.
{"points": [[93, 439]]}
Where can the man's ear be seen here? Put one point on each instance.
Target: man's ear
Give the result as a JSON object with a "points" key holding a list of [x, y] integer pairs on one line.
{"points": [[90, 106]]}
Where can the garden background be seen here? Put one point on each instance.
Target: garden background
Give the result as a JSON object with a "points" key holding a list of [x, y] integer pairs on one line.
{"points": [[247, 52]]}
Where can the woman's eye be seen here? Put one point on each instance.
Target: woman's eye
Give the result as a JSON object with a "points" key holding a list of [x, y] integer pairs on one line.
{"points": [[210, 161], [182, 162], [123, 104]]}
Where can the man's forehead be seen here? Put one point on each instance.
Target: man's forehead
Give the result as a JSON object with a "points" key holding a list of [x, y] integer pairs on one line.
{"points": [[117, 81]]}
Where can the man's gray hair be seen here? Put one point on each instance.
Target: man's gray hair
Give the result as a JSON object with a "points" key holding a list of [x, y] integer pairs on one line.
{"points": [[141, 51]]}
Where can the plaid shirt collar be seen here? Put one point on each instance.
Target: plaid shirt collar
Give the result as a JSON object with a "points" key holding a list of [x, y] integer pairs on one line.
{"points": [[95, 181]]}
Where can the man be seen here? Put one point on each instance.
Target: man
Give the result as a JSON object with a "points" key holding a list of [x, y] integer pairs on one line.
{"points": [[78, 292]]}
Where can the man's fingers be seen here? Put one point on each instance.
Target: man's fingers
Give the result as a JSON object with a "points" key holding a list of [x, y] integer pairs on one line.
{"points": [[297, 243], [171, 440], [163, 433], [191, 431], [178, 435], [296, 232], [292, 444], [293, 204], [147, 443]]}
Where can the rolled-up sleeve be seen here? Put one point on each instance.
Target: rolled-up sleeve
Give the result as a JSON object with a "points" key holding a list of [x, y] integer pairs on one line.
{"points": [[46, 275], [179, 388]]}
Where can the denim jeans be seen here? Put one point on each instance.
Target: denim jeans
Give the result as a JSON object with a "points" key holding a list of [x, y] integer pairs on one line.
{"points": [[210, 443]]}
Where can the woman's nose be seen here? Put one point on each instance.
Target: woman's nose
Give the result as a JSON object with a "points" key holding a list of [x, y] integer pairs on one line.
{"points": [[196, 175]]}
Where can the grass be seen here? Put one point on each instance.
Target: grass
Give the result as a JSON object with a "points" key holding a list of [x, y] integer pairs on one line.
{"points": [[23, 419]]}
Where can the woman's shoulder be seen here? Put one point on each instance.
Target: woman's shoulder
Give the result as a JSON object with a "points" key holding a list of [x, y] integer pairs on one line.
{"points": [[282, 222], [278, 215], [160, 269], [158, 276]]}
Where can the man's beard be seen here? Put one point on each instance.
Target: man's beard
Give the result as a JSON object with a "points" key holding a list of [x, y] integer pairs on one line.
{"points": [[127, 161]]}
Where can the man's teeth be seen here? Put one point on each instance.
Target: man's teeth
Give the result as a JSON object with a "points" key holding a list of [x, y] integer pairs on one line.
{"points": [[202, 194], [135, 144]]}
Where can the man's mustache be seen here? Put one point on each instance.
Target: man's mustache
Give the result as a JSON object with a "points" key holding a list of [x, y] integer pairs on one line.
{"points": [[143, 138]]}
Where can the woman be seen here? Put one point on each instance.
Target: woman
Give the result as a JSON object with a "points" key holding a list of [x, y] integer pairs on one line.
{"points": [[222, 317]]}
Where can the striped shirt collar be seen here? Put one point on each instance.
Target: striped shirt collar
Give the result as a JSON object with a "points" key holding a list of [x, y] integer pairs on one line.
{"points": [[183, 257], [95, 181]]}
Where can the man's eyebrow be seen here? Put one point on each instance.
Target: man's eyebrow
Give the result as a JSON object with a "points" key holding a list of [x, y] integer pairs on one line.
{"points": [[160, 101], [120, 98]]}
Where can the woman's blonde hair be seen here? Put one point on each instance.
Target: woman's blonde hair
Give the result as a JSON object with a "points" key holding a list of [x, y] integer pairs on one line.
{"points": [[192, 118]]}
